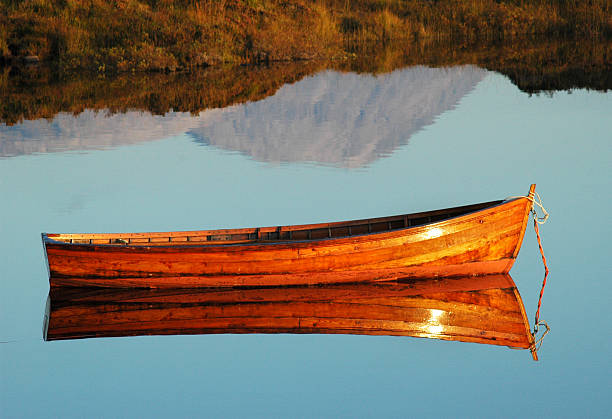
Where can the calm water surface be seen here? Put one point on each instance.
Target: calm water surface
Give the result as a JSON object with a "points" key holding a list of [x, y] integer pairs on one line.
{"points": [[331, 146]]}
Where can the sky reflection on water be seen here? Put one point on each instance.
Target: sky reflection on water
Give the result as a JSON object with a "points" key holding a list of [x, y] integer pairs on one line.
{"points": [[493, 143]]}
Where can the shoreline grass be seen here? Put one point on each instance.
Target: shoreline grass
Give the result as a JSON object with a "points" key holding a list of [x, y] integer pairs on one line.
{"points": [[168, 35]]}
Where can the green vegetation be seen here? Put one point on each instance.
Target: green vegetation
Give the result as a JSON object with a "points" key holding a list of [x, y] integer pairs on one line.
{"points": [[534, 67], [142, 35]]}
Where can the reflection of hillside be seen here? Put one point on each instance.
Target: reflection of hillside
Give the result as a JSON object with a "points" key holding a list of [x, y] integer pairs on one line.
{"points": [[339, 119], [90, 130], [37, 94], [532, 65], [536, 67], [333, 118], [110, 113]]}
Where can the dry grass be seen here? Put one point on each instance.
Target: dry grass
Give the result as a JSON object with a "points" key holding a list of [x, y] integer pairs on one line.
{"points": [[140, 35]]}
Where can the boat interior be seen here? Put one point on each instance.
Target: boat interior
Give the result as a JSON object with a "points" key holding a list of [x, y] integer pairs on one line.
{"points": [[271, 234]]}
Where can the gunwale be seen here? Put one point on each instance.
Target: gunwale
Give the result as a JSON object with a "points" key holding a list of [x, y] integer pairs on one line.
{"points": [[455, 213]]}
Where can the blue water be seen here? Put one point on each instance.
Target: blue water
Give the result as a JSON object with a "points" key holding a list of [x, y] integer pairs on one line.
{"points": [[332, 146]]}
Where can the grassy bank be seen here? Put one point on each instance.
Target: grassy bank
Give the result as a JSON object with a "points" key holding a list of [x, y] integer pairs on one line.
{"points": [[143, 35]]}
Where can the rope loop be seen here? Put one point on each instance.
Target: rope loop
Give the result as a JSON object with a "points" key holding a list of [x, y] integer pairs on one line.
{"points": [[538, 203], [538, 343], [543, 218]]}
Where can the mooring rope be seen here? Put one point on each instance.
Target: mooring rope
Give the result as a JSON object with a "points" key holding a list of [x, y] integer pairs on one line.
{"points": [[537, 230], [538, 220]]}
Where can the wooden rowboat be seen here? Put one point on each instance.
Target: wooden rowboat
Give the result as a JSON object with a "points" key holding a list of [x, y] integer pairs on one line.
{"points": [[484, 309], [475, 239]]}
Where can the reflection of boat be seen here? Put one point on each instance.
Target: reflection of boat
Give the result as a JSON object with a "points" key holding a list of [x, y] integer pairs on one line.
{"points": [[471, 240], [482, 310]]}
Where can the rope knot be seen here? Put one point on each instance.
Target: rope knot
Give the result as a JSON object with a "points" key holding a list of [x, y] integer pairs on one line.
{"points": [[544, 217]]}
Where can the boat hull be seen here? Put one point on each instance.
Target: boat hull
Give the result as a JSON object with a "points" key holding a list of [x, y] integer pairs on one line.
{"points": [[477, 243]]}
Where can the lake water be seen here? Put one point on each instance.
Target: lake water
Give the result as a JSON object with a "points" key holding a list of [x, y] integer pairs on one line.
{"points": [[329, 146]]}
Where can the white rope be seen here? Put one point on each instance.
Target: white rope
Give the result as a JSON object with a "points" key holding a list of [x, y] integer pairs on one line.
{"points": [[538, 341], [539, 220]]}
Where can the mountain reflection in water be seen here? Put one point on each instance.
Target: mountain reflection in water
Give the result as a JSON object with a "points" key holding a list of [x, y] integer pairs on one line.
{"points": [[341, 119], [485, 310]]}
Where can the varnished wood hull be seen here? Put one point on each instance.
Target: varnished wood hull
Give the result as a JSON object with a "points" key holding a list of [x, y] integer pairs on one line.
{"points": [[482, 310], [482, 242]]}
